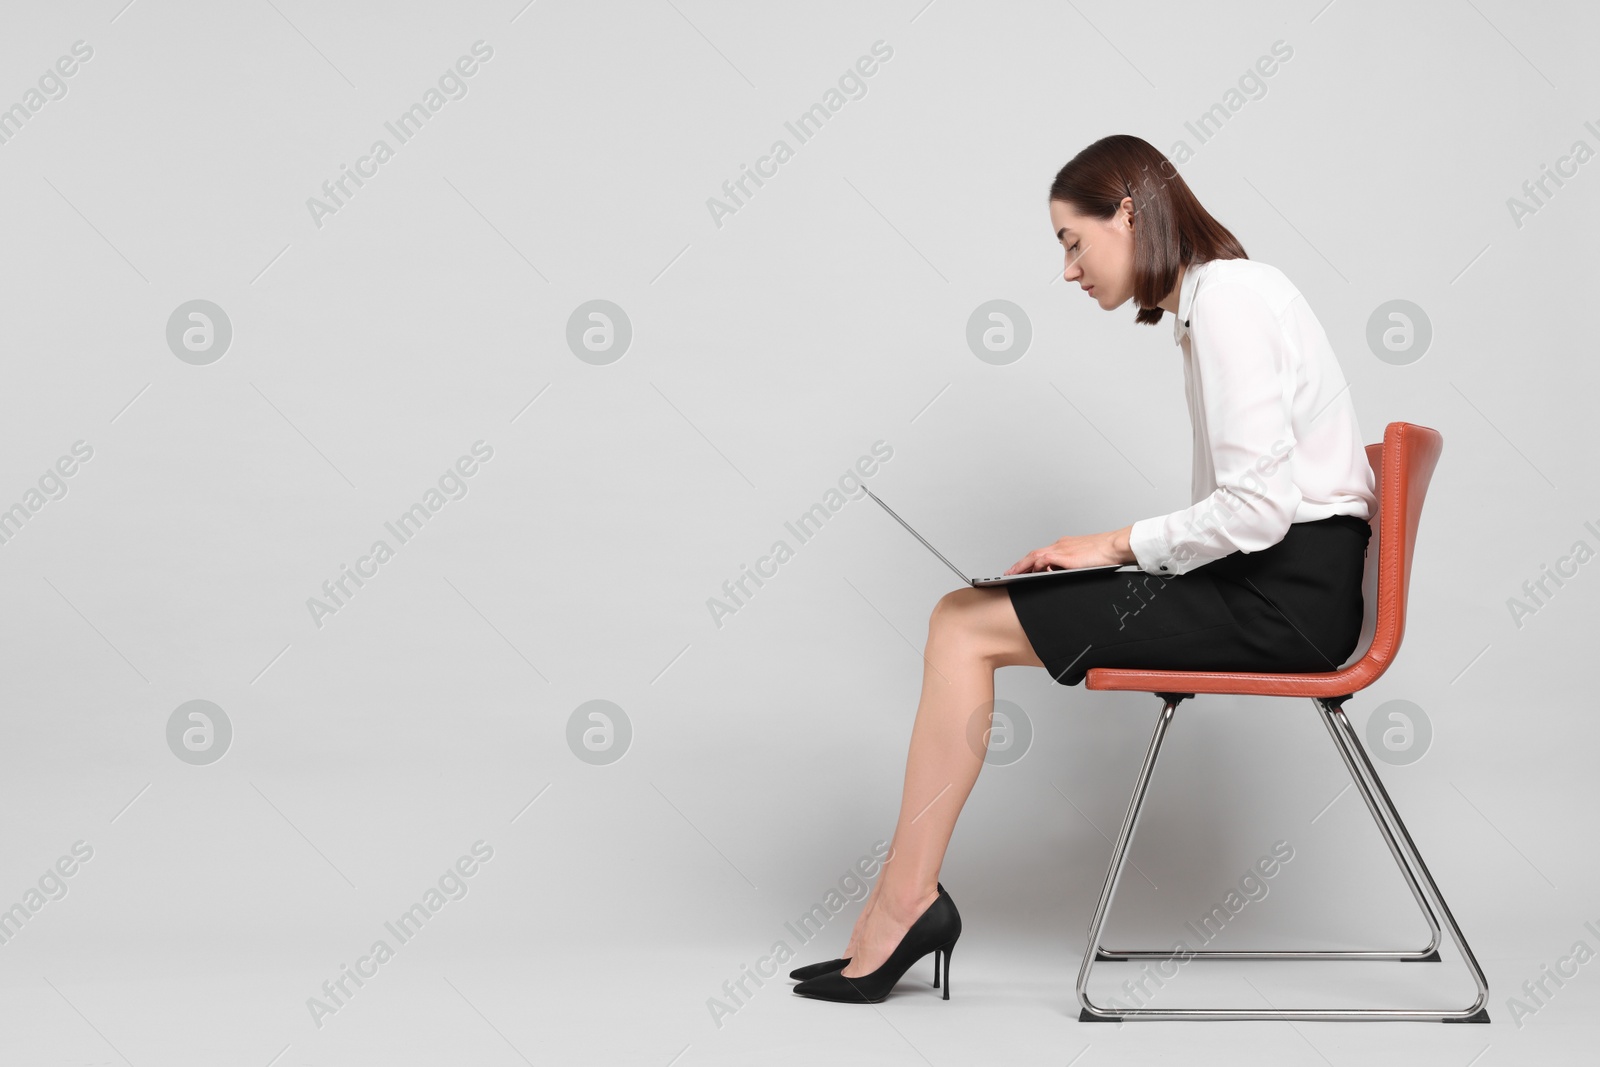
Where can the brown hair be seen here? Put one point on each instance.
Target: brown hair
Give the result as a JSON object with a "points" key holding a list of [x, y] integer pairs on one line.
{"points": [[1172, 228]]}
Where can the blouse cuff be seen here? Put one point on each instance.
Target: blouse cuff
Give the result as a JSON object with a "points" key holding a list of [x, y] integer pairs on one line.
{"points": [[1150, 548]]}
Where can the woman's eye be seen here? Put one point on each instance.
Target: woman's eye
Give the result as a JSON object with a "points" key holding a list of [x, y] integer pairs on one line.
{"points": [[1072, 246]]}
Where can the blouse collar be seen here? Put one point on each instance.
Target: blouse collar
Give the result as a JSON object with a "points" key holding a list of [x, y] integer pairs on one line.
{"points": [[1191, 278]]}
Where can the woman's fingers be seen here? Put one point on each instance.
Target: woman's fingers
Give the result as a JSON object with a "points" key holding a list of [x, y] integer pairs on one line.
{"points": [[1065, 554], [1037, 560]]}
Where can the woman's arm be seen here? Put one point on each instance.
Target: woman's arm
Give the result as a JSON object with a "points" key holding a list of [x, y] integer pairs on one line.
{"points": [[1244, 362]]}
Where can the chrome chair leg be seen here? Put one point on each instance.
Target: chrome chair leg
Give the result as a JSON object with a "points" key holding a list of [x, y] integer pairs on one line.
{"points": [[1427, 954], [1478, 1011], [1406, 857]]}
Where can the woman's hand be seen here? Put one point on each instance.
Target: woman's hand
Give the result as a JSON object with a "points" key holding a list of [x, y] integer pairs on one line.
{"points": [[1090, 550]]}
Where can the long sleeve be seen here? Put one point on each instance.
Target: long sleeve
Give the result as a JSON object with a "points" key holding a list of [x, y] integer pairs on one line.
{"points": [[1243, 365]]}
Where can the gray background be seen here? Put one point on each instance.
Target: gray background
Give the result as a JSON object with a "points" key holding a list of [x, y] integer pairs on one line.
{"points": [[767, 355]]}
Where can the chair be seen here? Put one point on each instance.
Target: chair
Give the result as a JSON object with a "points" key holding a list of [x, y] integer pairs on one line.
{"points": [[1403, 465]]}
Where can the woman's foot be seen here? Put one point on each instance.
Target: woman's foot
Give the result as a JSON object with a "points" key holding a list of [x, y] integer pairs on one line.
{"points": [[811, 970], [881, 928], [861, 920]]}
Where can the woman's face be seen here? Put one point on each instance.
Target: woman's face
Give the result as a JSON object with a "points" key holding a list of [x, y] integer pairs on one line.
{"points": [[1099, 252]]}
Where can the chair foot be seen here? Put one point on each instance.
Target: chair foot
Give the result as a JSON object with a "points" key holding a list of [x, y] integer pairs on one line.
{"points": [[1085, 1017], [1421, 955], [1479, 1016]]}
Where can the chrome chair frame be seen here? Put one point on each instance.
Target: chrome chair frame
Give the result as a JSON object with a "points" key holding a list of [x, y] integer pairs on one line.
{"points": [[1401, 846]]}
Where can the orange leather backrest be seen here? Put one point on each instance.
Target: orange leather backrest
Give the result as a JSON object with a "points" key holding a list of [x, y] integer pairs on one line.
{"points": [[1402, 467]]}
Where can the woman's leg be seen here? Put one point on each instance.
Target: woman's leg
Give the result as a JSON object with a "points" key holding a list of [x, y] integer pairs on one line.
{"points": [[971, 632]]}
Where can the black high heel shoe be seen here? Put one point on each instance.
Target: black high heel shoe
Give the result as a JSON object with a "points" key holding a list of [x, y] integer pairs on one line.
{"points": [[812, 970], [936, 930]]}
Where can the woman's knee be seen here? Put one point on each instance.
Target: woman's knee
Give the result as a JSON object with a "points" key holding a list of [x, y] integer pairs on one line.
{"points": [[984, 621], [956, 610]]}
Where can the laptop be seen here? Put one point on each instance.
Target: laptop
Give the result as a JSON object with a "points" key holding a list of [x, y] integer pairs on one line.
{"points": [[1002, 579]]}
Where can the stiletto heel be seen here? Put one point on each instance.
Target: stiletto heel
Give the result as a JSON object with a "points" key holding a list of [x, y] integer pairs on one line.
{"points": [[936, 971], [936, 930]]}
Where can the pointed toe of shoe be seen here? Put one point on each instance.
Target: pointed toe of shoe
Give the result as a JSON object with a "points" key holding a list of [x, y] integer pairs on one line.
{"points": [[812, 970], [836, 987]]}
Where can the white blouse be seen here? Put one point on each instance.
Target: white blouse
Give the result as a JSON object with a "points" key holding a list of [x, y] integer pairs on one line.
{"points": [[1275, 434]]}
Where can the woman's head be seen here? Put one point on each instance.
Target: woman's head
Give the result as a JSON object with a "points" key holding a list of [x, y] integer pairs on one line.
{"points": [[1127, 221]]}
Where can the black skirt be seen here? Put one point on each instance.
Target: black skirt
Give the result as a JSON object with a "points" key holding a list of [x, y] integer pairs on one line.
{"points": [[1294, 607]]}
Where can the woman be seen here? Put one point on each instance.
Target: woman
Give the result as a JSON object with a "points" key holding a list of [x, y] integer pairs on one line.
{"points": [[1262, 573]]}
